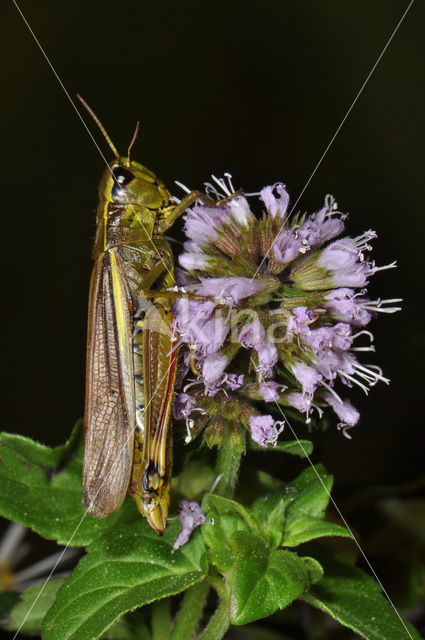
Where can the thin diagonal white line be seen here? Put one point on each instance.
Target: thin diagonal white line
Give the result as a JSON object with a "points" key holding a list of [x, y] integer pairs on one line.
{"points": [[136, 213], [341, 124], [336, 506], [86, 511]]}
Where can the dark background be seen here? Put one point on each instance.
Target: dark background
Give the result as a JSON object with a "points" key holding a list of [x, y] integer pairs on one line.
{"points": [[254, 89]]}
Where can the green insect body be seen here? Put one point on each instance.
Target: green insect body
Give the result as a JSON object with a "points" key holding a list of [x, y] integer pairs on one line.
{"points": [[131, 349]]}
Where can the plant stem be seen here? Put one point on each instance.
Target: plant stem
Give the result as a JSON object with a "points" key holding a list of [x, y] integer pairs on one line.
{"points": [[188, 617], [219, 623], [228, 462], [161, 619]]}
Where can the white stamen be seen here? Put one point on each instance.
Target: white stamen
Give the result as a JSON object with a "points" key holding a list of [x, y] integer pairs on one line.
{"points": [[393, 265], [330, 202], [366, 333], [182, 186], [374, 372], [220, 182], [281, 425], [229, 180], [318, 409], [189, 425], [334, 393], [377, 305], [344, 428], [191, 384], [346, 376]]}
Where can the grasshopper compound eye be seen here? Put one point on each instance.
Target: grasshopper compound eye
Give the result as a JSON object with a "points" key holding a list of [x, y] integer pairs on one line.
{"points": [[122, 178]]}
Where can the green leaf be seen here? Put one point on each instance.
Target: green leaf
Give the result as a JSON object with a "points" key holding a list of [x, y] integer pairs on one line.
{"points": [[124, 569], [33, 606], [224, 518], [301, 448], [314, 568], [305, 528], [8, 599], [41, 488], [263, 581], [355, 600], [269, 511], [308, 494], [267, 481], [131, 626]]}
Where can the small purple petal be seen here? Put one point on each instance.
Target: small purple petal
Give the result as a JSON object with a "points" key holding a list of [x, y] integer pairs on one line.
{"points": [[328, 365], [234, 381], [191, 517], [213, 368], [193, 322], [300, 318], [299, 401], [192, 260], [252, 334], [267, 358], [344, 262], [331, 228], [269, 391], [202, 223], [183, 406], [320, 340], [342, 338], [265, 430], [286, 247], [273, 204], [214, 332], [320, 227], [307, 377], [233, 288], [345, 306], [344, 410], [240, 211]]}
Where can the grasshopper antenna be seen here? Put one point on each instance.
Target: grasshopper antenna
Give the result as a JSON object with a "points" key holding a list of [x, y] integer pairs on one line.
{"points": [[133, 140], [100, 125]]}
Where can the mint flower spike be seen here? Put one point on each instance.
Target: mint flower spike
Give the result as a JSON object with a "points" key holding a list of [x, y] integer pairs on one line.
{"points": [[287, 312]]}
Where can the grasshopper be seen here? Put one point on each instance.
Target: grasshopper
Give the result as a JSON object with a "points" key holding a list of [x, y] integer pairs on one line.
{"points": [[131, 351]]}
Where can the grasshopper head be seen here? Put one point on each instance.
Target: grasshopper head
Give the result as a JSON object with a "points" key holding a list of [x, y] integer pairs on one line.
{"points": [[126, 182]]}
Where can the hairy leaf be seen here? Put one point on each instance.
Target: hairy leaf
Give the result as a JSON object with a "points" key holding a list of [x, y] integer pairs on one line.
{"points": [[355, 599], [41, 488], [32, 607], [123, 570], [263, 580]]}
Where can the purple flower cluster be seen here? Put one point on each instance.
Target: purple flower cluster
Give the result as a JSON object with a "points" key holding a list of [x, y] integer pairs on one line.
{"points": [[278, 305]]}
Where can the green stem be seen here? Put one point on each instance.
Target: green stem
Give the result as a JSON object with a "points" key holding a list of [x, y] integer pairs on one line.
{"points": [[192, 606], [228, 461], [161, 619], [219, 622]]}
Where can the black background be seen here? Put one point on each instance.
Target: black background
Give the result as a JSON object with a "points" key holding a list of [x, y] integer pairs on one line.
{"points": [[255, 89]]}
